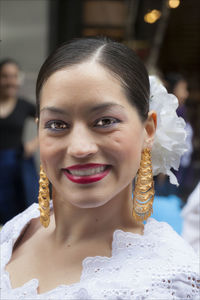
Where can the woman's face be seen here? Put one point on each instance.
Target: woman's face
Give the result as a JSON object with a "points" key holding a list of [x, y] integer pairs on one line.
{"points": [[9, 80], [90, 136]]}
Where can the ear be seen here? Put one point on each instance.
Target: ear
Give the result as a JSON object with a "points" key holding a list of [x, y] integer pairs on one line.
{"points": [[150, 129]]}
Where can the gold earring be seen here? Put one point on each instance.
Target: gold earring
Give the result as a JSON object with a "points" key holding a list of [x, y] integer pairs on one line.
{"points": [[144, 188], [44, 198]]}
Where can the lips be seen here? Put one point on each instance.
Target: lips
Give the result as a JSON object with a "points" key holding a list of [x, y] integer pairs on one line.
{"points": [[87, 173]]}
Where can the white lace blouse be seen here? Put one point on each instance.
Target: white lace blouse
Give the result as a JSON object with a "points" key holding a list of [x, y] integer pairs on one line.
{"points": [[156, 265]]}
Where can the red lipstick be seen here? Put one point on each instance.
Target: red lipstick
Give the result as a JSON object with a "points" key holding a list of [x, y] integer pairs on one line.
{"points": [[87, 173]]}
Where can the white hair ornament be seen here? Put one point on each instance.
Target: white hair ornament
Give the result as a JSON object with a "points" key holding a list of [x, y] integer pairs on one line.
{"points": [[170, 138]]}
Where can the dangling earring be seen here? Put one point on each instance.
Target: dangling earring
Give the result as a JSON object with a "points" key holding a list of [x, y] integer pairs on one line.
{"points": [[44, 198], [144, 188]]}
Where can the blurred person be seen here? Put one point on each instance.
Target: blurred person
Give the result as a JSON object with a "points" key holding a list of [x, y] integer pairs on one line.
{"points": [[18, 177], [191, 220], [176, 84], [96, 128]]}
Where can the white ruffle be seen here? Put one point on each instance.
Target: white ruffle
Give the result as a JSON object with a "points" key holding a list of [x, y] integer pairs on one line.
{"points": [[170, 139], [156, 265]]}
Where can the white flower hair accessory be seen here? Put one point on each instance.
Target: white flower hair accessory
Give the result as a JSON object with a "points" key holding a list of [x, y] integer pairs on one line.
{"points": [[170, 138]]}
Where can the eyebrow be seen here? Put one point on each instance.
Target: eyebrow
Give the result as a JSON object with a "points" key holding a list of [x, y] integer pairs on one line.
{"points": [[54, 110], [104, 106], [93, 109]]}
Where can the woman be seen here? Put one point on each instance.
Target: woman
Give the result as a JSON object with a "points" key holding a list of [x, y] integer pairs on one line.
{"points": [[93, 125], [19, 176]]}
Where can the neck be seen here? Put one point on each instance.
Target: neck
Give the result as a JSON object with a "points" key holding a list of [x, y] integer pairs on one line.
{"points": [[74, 224]]}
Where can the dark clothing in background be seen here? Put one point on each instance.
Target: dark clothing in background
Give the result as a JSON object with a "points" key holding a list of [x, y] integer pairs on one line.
{"points": [[11, 127], [18, 176]]}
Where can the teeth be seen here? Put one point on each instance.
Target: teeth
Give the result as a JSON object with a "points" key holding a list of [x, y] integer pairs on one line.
{"points": [[88, 172]]}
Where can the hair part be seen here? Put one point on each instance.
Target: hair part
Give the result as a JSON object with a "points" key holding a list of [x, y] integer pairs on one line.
{"points": [[116, 58]]}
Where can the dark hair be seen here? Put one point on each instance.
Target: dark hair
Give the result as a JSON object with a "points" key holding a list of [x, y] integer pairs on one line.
{"points": [[117, 58], [6, 61]]}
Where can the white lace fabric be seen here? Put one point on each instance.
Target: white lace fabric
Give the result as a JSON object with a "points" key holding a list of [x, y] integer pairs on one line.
{"points": [[156, 265]]}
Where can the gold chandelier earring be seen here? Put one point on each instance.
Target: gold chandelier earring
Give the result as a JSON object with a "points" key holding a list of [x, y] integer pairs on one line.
{"points": [[144, 188], [44, 198]]}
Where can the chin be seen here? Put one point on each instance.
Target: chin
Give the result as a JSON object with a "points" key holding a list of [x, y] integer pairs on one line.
{"points": [[89, 203]]}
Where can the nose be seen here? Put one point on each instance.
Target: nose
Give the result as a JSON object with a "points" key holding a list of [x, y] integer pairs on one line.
{"points": [[81, 142]]}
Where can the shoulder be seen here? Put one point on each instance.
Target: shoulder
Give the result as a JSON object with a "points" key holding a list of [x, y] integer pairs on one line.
{"points": [[169, 244], [158, 264], [12, 229], [176, 264], [159, 244]]}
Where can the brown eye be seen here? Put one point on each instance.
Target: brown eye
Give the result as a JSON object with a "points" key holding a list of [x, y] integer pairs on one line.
{"points": [[106, 122], [56, 125]]}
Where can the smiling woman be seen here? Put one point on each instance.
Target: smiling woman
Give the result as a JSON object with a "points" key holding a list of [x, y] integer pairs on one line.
{"points": [[95, 133], [92, 123]]}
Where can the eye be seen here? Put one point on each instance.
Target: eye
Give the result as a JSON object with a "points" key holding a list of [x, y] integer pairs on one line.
{"points": [[57, 125], [106, 122]]}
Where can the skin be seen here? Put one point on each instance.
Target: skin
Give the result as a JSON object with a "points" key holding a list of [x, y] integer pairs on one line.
{"points": [[85, 216], [9, 86]]}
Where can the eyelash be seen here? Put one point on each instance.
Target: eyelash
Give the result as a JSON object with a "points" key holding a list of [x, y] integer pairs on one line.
{"points": [[65, 126]]}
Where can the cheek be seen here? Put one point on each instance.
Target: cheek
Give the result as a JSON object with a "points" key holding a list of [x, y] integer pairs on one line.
{"points": [[51, 152], [126, 147]]}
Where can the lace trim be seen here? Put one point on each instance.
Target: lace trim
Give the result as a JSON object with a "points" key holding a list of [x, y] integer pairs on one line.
{"points": [[125, 245]]}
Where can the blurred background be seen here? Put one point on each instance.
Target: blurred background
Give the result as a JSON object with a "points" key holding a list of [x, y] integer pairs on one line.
{"points": [[164, 33]]}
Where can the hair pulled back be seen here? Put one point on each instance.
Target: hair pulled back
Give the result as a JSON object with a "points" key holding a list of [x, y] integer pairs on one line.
{"points": [[116, 58]]}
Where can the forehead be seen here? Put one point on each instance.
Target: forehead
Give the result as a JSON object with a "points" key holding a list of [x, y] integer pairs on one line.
{"points": [[9, 67], [85, 82]]}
